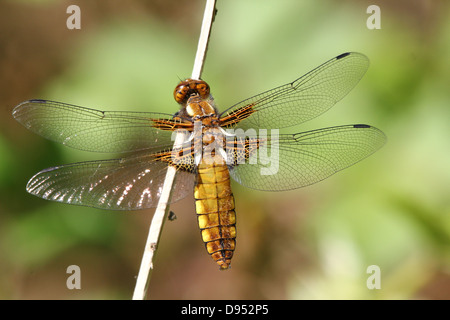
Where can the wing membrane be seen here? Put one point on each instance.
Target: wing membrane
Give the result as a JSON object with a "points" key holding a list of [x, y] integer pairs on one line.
{"points": [[119, 184], [93, 130], [308, 157], [305, 98]]}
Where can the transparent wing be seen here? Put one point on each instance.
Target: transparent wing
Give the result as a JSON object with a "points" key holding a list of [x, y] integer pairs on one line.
{"points": [[301, 159], [93, 130], [120, 184], [305, 98]]}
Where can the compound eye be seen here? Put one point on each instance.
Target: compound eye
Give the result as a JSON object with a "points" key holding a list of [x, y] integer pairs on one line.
{"points": [[203, 89], [180, 93], [189, 87]]}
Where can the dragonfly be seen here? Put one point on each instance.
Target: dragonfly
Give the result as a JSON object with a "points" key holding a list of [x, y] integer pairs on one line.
{"points": [[219, 146]]}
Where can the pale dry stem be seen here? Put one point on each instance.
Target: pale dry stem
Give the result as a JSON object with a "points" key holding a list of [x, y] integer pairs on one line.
{"points": [[160, 215]]}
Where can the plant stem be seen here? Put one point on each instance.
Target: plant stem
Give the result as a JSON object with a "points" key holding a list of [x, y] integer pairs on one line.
{"points": [[160, 215]]}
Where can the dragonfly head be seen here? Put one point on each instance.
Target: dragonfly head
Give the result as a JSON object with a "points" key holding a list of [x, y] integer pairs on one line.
{"points": [[186, 88]]}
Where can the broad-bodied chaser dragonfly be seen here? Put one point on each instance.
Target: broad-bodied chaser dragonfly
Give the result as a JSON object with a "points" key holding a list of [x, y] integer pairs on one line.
{"points": [[220, 145]]}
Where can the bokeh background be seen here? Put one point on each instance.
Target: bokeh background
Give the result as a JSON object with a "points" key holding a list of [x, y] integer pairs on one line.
{"points": [[391, 210]]}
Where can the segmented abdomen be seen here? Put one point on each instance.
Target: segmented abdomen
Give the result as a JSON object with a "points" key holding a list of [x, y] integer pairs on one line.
{"points": [[214, 204]]}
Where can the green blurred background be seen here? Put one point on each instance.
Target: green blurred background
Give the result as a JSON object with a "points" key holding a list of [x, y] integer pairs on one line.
{"points": [[391, 210]]}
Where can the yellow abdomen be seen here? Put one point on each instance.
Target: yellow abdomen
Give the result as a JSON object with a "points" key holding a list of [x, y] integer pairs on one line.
{"points": [[214, 205]]}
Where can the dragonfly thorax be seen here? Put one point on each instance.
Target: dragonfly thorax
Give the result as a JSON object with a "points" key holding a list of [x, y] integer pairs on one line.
{"points": [[197, 108]]}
